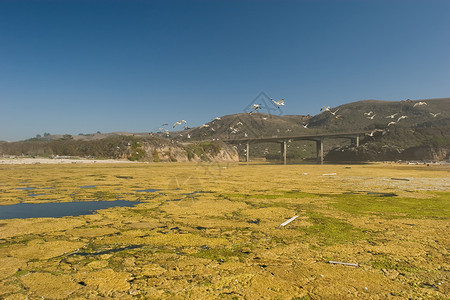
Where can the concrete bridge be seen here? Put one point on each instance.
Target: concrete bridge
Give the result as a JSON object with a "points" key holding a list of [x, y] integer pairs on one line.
{"points": [[283, 140]]}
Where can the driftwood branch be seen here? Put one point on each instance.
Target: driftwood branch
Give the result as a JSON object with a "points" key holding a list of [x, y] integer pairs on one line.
{"points": [[288, 221], [343, 263]]}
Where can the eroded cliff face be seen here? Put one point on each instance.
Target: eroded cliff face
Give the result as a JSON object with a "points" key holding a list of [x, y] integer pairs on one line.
{"points": [[175, 152], [427, 153], [152, 150]]}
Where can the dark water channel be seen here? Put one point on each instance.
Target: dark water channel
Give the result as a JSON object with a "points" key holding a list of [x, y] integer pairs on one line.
{"points": [[59, 209]]}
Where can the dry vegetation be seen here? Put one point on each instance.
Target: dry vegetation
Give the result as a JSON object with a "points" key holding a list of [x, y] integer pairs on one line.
{"points": [[212, 231]]}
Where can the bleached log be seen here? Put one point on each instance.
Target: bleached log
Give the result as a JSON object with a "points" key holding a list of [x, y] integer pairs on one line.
{"points": [[343, 263], [288, 221]]}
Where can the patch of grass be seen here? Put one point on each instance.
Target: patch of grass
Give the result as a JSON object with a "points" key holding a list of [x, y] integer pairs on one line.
{"points": [[221, 254], [382, 261], [281, 194], [329, 231], [395, 207]]}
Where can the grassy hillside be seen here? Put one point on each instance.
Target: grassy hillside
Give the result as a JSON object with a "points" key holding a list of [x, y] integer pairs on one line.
{"points": [[407, 129]]}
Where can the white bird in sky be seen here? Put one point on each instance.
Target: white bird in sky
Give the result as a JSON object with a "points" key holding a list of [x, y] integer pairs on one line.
{"points": [[391, 123], [218, 118], [255, 107], [179, 123], [435, 115], [239, 123], [305, 125], [420, 103], [375, 130], [264, 118], [401, 118], [368, 113], [278, 103], [391, 116], [204, 126], [325, 108], [371, 117], [334, 113], [188, 136]]}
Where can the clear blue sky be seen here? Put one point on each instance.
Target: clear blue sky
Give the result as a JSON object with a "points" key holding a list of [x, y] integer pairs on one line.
{"points": [[85, 66]]}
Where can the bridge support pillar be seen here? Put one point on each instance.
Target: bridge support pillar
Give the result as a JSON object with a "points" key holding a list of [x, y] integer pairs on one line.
{"points": [[355, 141], [247, 152], [284, 151], [319, 150]]}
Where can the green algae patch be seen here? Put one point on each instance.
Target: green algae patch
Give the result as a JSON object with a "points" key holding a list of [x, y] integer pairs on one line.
{"points": [[329, 230], [214, 233], [435, 207]]}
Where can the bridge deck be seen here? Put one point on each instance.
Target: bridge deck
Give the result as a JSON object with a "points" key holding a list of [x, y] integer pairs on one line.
{"points": [[279, 139], [318, 138]]}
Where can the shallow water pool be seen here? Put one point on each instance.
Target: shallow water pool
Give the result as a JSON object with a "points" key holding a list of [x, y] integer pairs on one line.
{"points": [[59, 209]]}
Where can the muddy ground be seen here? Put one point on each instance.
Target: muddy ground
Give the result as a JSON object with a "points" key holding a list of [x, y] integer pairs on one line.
{"points": [[208, 231]]}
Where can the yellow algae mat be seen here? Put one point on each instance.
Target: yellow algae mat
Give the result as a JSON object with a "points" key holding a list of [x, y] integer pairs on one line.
{"points": [[205, 231]]}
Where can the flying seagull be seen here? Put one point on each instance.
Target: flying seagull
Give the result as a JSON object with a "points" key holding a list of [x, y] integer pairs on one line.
{"points": [[179, 123], [420, 103], [391, 123], [375, 130], [368, 113], [435, 115], [325, 108], [334, 113], [391, 116], [401, 118], [204, 126], [278, 103], [373, 116], [255, 107], [305, 125]]}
